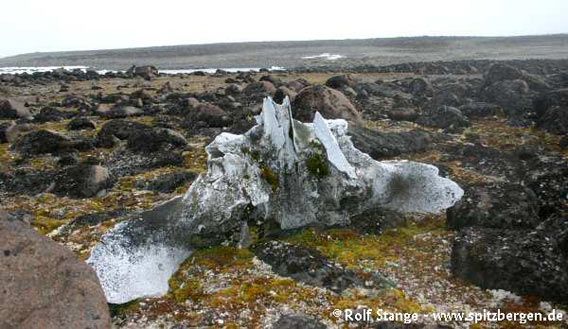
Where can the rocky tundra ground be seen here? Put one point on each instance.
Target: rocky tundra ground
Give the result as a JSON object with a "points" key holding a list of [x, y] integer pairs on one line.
{"points": [[81, 152]]}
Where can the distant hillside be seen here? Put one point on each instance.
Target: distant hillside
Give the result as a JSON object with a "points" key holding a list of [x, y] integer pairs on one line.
{"points": [[290, 54]]}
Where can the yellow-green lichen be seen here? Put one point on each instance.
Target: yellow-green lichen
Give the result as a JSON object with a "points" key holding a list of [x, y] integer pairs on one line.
{"points": [[270, 177], [317, 165]]}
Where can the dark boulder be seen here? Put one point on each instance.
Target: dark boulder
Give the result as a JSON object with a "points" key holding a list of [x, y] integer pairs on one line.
{"points": [[403, 114], [81, 123], [49, 113], [283, 92], [306, 265], [563, 141], [209, 115], [46, 141], [260, 89], [528, 262], [92, 220], [341, 81], [514, 96], [480, 110], [148, 72], [119, 111], [421, 87], [155, 139], [295, 321], [331, 104], [501, 72], [167, 183], [82, 181], [503, 205], [12, 109], [550, 99], [4, 128], [44, 285], [384, 145], [298, 84], [446, 117], [124, 162], [117, 129], [26, 182], [555, 120], [274, 80]]}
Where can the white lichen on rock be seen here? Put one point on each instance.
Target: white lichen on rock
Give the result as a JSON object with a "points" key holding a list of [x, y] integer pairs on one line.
{"points": [[282, 171]]}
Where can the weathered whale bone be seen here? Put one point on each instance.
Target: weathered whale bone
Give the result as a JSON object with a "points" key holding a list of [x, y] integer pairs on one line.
{"points": [[281, 171]]}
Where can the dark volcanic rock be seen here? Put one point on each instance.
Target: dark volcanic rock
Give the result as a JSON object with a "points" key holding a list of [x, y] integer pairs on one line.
{"points": [[167, 183], [148, 72], [555, 120], [514, 96], [528, 262], [283, 92], [96, 218], [502, 205], [341, 81], [563, 141], [260, 89], [12, 109], [81, 123], [480, 109], [545, 101], [114, 130], [295, 321], [211, 115], [446, 117], [82, 181], [306, 265], [383, 145], [4, 127], [421, 87], [46, 141], [275, 81], [120, 111], [331, 104], [123, 162], [155, 139], [44, 285], [48, 114], [25, 182], [500, 72]]}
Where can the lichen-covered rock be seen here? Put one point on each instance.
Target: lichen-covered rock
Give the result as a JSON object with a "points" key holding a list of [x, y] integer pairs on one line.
{"points": [[80, 123], [555, 120], [294, 321], [529, 262], [443, 117], [83, 181], [13, 109], [44, 285], [46, 141], [281, 172], [306, 265], [118, 129], [332, 104], [480, 109], [260, 89], [4, 128], [381, 145], [167, 183], [503, 205]]}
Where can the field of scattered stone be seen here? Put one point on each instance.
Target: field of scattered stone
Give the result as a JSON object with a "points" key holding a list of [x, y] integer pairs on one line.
{"points": [[81, 152]]}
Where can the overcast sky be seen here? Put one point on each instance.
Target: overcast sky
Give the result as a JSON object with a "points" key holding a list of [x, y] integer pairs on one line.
{"points": [[44, 25]]}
